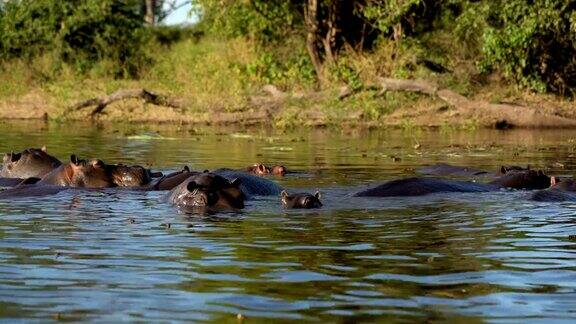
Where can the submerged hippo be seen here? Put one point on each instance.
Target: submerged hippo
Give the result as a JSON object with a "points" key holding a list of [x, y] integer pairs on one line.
{"points": [[209, 190], [561, 189], [300, 200], [261, 169], [132, 176], [170, 181], [251, 185], [75, 174], [443, 169], [29, 163], [528, 179], [80, 173]]}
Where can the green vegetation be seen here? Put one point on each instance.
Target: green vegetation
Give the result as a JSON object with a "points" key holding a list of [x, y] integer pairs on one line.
{"points": [[66, 51]]}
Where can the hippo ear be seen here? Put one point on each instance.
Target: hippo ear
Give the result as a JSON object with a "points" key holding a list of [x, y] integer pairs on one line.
{"points": [[503, 170], [306, 201], [284, 198], [236, 182], [317, 194], [192, 185], [280, 169], [15, 157], [98, 164], [261, 168], [186, 169], [206, 171], [553, 181], [7, 157], [43, 149], [74, 159]]}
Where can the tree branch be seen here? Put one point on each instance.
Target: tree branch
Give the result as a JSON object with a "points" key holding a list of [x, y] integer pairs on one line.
{"points": [[146, 95]]}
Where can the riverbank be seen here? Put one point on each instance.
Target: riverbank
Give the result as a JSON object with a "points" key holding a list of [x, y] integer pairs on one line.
{"points": [[217, 82]]}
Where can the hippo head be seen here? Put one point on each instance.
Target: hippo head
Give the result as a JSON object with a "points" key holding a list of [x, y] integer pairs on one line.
{"points": [[260, 169], [526, 179], [562, 183], [210, 190], [301, 200], [132, 176], [278, 170], [89, 173], [28, 163]]}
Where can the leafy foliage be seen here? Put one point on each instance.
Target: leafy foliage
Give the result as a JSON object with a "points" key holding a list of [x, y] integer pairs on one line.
{"points": [[80, 32], [534, 43]]}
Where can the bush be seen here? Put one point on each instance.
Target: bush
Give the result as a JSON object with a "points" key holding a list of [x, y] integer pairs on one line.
{"points": [[533, 43], [77, 32]]}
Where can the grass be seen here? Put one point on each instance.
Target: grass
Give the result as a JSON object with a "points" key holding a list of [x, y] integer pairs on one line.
{"points": [[219, 76]]}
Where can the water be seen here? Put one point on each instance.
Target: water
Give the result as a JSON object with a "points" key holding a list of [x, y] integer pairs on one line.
{"points": [[120, 255]]}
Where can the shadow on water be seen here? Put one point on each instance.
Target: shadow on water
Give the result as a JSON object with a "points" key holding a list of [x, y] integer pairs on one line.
{"points": [[121, 255]]}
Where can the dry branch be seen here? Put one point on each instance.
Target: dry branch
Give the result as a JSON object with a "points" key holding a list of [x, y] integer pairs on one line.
{"points": [[146, 95]]}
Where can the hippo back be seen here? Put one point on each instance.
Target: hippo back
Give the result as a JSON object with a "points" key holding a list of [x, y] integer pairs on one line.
{"points": [[422, 186], [443, 169], [251, 185], [553, 195]]}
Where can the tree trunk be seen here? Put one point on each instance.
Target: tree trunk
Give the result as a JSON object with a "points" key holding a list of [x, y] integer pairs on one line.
{"points": [[311, 17], [150, 17], [331, 32]]}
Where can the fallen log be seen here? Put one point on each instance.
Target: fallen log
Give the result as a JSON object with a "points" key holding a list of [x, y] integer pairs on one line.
{"points": [[146, 95], [495, 115]]}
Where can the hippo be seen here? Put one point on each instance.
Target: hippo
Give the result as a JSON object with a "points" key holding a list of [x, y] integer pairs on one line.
{"points": [[443, 169], [29, 163], [208, 190], [80, 173], [170, 181], [300, 200], [524, 179], [132, 176], [528, 179], [561, 189], [251, 185], [261, 169], [75, 174]]}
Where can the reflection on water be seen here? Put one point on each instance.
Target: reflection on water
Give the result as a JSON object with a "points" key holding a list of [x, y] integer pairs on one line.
{"points": [[120, 255]]}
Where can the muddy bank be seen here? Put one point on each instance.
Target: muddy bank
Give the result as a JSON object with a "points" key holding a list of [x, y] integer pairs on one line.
{"points": [[432, 107]]}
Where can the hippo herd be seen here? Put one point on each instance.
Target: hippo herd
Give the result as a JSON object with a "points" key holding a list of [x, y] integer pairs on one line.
{"points": [[34, 172]]}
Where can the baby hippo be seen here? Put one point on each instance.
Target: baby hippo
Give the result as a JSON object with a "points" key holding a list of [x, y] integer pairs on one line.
{"points": [[301, 200]]}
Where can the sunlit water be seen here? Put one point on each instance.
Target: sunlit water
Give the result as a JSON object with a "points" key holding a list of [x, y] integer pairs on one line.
{"points": [[119, 255]]}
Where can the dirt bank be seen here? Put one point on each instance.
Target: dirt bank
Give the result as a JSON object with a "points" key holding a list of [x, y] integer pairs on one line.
{"points": [[431, 107]]}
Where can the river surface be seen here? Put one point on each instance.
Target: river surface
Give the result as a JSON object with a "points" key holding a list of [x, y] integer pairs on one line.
{"points": [[128, 256]]}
